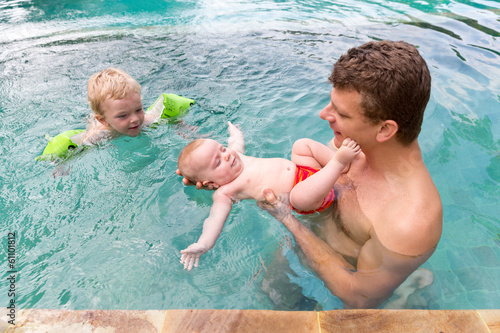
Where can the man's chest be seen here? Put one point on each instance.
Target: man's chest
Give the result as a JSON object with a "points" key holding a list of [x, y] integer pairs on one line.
{"points": [[359, 207]]}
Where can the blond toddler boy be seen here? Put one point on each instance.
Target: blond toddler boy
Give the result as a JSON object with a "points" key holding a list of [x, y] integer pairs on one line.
{"points": [[116, 103], [309, 178]]}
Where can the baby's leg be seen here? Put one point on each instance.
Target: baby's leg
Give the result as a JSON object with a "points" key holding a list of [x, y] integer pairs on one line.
{"points": [[310, 193], [311, 153], [346, 153]]}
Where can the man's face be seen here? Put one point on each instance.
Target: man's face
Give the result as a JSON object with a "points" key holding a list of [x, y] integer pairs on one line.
{"points": [[123, 115], [216, 163], [346, 119]]}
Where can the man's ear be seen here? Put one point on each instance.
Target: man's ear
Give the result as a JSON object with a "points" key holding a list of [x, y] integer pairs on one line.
{"points": [[387, 130], [102, 120]]}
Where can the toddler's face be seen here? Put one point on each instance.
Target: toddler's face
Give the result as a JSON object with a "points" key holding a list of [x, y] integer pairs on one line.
{"points": [[123, 115], [217, 163]]}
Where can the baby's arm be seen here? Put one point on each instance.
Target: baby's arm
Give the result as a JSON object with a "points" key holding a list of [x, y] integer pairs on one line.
{"points": [[212, 228], [310, 193], [236, 140]]}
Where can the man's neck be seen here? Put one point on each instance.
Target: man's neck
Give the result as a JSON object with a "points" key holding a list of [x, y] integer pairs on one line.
{"points": [[394, 158]]}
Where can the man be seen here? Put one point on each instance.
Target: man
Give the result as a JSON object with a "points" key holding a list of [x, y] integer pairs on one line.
{"points": [[387, 220]]}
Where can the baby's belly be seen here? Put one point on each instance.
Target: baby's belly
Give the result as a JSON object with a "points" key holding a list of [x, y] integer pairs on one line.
{"points": [[279, 180], [282, 186]]}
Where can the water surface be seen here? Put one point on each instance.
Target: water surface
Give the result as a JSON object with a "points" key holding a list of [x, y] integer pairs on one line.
{"points": [[107, 235]]}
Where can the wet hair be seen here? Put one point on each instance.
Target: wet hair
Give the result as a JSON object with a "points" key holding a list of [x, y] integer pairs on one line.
{"points": [[184, 162], [393, 81], [111, 83]]}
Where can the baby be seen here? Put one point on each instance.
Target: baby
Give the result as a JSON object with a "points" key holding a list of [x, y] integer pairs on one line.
{"points": [[309, 178], [116, 103]]}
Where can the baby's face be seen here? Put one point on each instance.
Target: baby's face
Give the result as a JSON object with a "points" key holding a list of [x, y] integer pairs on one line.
{"points": [[123, 115], [217, 163]]}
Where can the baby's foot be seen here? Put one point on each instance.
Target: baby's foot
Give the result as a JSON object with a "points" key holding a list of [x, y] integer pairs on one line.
{"points": [[347, 152]]}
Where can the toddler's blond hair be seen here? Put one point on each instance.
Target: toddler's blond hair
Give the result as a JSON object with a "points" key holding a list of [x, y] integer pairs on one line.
{"points": [[111, 83]]}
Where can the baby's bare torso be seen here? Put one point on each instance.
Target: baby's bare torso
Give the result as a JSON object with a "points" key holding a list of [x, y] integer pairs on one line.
{"points": [[277, 174]]}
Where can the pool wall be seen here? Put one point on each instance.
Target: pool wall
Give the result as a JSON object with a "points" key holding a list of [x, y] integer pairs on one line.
{"points": [[123, 321]]}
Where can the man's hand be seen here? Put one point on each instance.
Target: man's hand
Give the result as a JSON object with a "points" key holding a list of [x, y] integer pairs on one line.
{"points": [[191, 255], [199, 185], [279, 207]]}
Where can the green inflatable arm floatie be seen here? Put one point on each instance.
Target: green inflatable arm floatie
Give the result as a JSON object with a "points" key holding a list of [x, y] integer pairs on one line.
{"points": [[59, 146], [168, 105]]}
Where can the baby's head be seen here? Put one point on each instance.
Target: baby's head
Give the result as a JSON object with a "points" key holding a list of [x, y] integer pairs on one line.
{"points": [[115, 98], [209, 162]]}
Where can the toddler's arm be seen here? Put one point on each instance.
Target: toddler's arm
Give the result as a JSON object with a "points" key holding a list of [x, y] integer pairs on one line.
{"points": [[310, 193], [212, 228], [94, 133], [151, 117], [236, 139]]}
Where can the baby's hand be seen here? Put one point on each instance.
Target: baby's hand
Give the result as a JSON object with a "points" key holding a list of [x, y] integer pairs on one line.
{"points": [[232, 129], [191, 255], [236, 139]]}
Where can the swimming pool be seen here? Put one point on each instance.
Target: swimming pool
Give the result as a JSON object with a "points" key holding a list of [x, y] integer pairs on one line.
{"points": [[106, 232]]}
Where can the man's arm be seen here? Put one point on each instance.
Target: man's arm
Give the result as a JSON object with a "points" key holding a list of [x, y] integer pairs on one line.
{"points": [[378, 273], [212, 228]]}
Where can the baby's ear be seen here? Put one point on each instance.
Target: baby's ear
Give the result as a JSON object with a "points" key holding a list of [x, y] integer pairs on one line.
{"points": [[209, 184]]}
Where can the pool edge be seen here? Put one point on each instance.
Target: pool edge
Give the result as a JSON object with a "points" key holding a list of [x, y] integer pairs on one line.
{"points": [[36, 320]]}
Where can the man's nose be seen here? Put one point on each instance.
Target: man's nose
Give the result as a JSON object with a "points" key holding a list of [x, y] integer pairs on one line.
{"points": [[327, 114], [322, 114]]}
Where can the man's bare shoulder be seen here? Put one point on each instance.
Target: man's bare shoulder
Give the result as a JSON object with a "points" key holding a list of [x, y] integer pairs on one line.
{"points": [[413, 225]]}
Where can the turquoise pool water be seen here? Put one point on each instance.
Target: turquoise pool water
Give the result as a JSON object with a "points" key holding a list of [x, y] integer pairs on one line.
{"points": [[105, 233]]}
